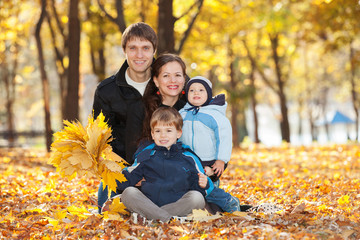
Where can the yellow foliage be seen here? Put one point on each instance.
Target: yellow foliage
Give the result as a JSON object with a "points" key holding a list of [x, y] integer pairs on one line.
{"points": [[117, 207], [87, 152], [343, 200]]}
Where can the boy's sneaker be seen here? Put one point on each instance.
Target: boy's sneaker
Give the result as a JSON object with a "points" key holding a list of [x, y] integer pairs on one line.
{"points": [[180, 219], [233, 205], [140, 220]]}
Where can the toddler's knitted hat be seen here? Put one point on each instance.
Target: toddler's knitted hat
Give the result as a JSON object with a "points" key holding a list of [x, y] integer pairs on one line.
{"points": [[204, 81]]}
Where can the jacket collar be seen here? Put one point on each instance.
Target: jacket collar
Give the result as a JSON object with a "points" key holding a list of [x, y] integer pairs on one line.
{"points": [[120, 75], [173, 149]]}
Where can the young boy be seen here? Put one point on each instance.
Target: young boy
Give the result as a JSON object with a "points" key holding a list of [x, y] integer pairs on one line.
{"points": [[208, 132], [174, 183]]}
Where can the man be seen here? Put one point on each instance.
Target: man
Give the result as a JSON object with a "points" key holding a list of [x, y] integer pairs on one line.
{"points": [[119, 97]]}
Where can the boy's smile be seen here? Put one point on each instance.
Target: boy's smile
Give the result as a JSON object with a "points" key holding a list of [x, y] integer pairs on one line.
{"points": [[165, 135]]}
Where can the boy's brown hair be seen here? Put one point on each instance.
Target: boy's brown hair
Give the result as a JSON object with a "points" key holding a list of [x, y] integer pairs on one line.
{"points": [[142, 31], [167, 116]]}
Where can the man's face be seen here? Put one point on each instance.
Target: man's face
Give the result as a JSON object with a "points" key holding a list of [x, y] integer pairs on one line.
{"points": [[139, 55], [165, 135]]}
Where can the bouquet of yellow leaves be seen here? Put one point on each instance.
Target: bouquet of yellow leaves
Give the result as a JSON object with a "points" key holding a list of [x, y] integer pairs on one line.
{"points": [[87, 152]]}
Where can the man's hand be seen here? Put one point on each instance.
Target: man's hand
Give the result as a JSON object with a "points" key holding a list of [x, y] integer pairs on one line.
{"points": [[202, 180], [218, 167]]}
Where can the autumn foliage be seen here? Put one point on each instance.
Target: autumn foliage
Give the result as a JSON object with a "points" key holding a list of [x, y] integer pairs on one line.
{"points": [[317, 186], [86, 151]]}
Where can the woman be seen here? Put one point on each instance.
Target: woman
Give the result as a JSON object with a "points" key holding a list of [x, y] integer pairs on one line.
{"points": [[166, 87]]}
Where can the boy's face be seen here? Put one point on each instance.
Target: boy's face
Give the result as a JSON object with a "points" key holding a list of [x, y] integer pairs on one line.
{"points": [[197, 94], [139, 54], [165, 135]]}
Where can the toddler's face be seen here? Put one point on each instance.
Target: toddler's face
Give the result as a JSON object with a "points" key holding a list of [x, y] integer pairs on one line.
{"points": [[165, 135], [197, 94]]}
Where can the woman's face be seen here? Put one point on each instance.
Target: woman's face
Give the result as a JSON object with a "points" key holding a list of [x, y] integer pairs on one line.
{"points": [[171, 80]]}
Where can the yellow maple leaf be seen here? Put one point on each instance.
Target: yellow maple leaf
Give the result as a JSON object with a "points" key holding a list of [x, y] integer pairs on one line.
{"points": [[61, 214], [77, 211], [203, 215], [117, 207], [86, 151], [52, 221]]}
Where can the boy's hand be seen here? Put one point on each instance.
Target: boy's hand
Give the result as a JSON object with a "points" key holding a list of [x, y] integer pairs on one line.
{"points": [[139, 183], [202, 180], [218, 167]]}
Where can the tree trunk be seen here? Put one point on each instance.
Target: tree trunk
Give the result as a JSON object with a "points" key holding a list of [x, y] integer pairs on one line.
{"points": [[324, 105], [97, 50], [9, 88], [309, 97], [44, 79], [254, 104], [284, 122], [300, 109], [353, 91], [166, 23], [72, 98], [234, 107], [60, 54]]}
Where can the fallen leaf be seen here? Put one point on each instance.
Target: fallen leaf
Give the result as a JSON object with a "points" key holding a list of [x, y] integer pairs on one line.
{"points": [[299, 208]]}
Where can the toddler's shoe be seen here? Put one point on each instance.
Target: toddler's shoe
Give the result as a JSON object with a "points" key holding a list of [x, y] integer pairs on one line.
{"points": [[233, 205], [245, 208]]}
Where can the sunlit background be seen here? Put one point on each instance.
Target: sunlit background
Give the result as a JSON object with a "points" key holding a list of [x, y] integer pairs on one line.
{"points": [[280, 63]]}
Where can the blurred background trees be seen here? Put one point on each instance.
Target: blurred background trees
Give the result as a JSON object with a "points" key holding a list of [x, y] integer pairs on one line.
{"points": [[286, 66]]}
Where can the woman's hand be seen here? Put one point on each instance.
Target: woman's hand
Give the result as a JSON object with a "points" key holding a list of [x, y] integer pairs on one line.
{"points": [[208, 171], [202, 180], [218, 167]]}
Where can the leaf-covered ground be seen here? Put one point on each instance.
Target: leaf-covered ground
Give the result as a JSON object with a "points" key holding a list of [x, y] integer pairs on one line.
{"points": [[318, 188]]}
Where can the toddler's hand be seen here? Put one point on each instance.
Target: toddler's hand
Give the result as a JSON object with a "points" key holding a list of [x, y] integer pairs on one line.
{"points": [[218, 167], [202, 180]]}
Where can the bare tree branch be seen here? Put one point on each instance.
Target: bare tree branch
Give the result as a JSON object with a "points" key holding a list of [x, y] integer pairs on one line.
{"points": [[119, 19], [106, 13], [44, 79], [187, 12], [57, 19], [258, 68], [58, 54], [191, 24]]}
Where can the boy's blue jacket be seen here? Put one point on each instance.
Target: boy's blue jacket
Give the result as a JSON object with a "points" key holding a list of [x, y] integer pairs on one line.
{"points": [[169, 174], [207, 130]]}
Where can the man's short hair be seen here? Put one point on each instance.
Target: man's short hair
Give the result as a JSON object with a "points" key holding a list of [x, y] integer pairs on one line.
{"points": [[167, 116], [142, 31]]}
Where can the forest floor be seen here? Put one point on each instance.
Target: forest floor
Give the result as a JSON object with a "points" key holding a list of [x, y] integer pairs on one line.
{"points": [[317, 188]]}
